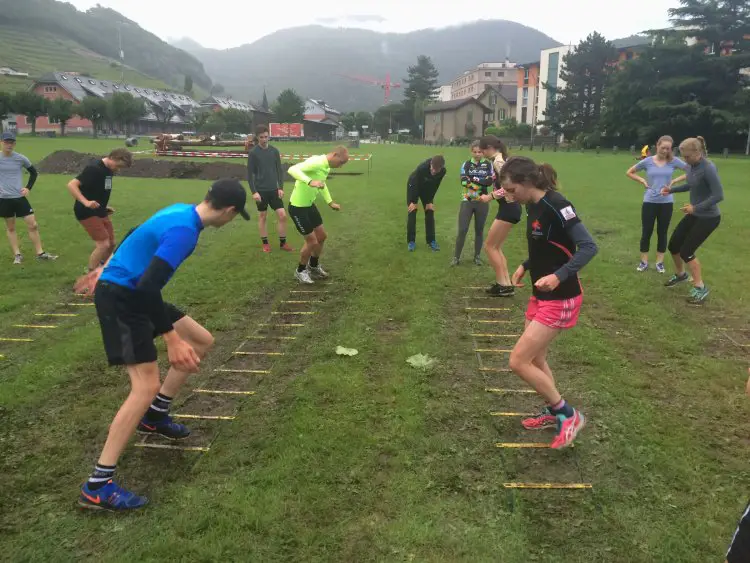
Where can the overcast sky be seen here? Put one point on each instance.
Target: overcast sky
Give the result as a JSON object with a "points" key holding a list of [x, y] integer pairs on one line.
{"points": [[229, 23]]}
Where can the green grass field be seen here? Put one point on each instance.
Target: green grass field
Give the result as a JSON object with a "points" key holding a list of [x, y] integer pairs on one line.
{"points": [[341, 459]]}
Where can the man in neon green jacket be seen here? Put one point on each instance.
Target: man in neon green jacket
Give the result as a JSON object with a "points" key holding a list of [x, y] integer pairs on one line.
{"points": [[310, 181]]}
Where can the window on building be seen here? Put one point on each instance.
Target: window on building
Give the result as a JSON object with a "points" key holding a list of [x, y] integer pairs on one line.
{"points": [[493, 100], [524, 114], [526, 74], [525, 96], [53, 121], [488, 74], [500, 74], [501, 114]]}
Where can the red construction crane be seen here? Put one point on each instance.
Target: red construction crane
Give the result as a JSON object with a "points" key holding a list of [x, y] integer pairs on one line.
{"points": [[386, 84]]}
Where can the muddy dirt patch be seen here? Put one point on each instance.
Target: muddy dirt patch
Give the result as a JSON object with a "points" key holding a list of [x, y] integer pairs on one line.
{"points": [[72, 162]]}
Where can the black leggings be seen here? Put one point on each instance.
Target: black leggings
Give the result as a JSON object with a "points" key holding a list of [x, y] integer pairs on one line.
{"points": [[690, 233], [661, 214]]}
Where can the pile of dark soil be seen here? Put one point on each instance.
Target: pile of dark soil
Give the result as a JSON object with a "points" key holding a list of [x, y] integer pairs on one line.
{"points": [[71, 163]]}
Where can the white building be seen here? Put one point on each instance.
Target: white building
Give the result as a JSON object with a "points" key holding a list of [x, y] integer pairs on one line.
{"points": [[550, 67], [444, 93], [472, 82]]}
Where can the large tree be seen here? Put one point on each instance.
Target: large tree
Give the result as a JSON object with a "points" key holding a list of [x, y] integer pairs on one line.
{"points": [[61, 110], [718, 24], [577, 107], [95, 110], [289, 107], [349, 121], [676, 90], [31, 105], [215, 123], [124, 109], [188, 86], [422, 82], [390, 118], [363, 119], [198, 119], [420, 88], [237, 121]]}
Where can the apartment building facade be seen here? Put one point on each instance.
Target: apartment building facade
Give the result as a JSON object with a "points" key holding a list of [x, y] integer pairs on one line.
{"points": [[472, 82]]}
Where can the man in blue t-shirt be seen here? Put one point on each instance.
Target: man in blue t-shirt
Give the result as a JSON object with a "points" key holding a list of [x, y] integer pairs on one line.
{"points": [[132, 313]]}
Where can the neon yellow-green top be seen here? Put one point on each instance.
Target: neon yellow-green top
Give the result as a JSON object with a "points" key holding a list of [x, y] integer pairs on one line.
{"points": [[314, 168]]}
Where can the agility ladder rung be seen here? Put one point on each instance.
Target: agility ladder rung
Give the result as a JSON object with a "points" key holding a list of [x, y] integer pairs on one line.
{"points": [[548, 486], [171, 447], [222, 392], [202, 417]]}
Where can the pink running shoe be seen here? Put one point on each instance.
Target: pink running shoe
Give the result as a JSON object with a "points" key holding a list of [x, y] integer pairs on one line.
{"points": [[544, 419], [569, 429]]}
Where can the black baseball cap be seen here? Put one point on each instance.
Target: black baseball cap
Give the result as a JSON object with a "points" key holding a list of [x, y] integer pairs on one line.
{"points": [[9, 136], [228, 193]]}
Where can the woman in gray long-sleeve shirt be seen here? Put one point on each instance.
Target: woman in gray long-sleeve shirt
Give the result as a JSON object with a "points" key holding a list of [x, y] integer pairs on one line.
{"points": [[702, 216]]}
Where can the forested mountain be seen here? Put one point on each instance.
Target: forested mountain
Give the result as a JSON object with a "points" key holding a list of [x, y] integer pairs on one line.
{"points": [[97, 31], [310, 59]]}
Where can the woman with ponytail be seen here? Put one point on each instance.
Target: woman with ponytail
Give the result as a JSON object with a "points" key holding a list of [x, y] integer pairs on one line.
{"points": [[702, 216], [508, 214], [559, 246], [656, 209]]}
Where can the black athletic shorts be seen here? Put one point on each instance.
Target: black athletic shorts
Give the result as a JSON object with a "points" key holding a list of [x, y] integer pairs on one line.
{"points": [[507, 211], [15, 207], [269, 199], [127, 331], [739, 551], [690, 233], [306, 219]]}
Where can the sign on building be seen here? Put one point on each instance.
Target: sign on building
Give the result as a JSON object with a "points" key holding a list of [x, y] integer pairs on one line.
{"points": [[286, 130]]}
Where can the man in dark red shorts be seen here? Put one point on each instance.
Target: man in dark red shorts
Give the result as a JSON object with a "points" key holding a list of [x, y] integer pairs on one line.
{"points": [[91, 190]]}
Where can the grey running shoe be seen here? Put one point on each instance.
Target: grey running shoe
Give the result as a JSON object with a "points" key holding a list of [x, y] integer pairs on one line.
{"points": [[318, 273], [675, 279], [18, 259], [303, 276], [46, 256]]}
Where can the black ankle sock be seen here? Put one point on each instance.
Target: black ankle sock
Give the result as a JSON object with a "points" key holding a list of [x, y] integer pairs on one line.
{"points": [[264, 239], [100, 476], [565, 409], [313, 261], [301, 268], [282, 241], [159, 408]]}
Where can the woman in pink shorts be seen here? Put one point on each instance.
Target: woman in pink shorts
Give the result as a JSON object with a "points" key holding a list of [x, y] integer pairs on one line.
{"points": [[559, 246]]}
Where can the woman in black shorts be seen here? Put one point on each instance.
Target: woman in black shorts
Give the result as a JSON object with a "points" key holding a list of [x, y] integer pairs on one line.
{"points": [[508, 214], [702, 216]]}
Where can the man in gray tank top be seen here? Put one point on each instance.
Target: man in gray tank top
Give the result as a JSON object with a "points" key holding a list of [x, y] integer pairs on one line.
{"points": [[13, 202]]}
